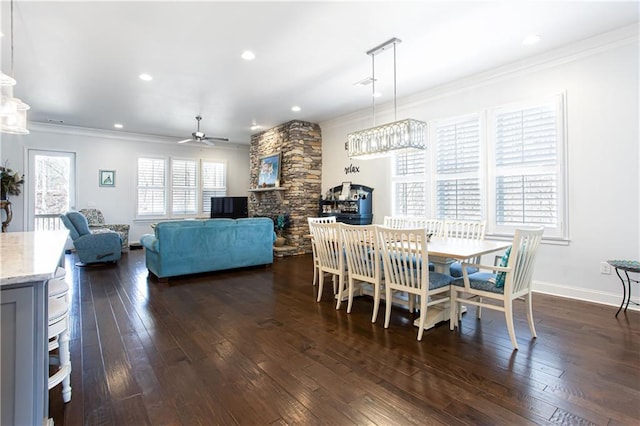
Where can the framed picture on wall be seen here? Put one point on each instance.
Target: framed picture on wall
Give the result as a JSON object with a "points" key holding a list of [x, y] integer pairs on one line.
{"points": [[269, 171], [107, 178]]}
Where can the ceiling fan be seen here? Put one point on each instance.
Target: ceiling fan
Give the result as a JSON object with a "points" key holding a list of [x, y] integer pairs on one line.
{"points": [[199, 136]]}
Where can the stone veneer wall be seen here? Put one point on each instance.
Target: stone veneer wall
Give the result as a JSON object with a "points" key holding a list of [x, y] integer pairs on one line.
{"points": [[300, 144]]}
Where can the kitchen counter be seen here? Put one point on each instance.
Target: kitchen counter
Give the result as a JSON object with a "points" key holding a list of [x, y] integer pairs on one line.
{"points": [[27, 261]]}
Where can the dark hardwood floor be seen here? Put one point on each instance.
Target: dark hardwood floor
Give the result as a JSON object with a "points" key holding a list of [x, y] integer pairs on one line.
{"points": [[252, 347]]}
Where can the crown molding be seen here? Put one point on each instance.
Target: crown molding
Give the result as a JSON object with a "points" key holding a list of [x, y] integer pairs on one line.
{"points": [[553, 58], [36, 126]]}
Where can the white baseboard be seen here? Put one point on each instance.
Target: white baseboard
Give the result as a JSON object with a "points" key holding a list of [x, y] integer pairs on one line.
{"points": [[594, 296]]}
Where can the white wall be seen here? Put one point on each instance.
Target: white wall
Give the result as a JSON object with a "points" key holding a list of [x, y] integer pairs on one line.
{"points": [[600, 79], [96, 150]]}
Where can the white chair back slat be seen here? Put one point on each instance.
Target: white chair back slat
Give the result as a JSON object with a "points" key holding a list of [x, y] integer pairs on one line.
{"points": [[434, 227], [361, 249], [310, 220], [364, 264], [330, 255], [522, 260], [473, 230]]}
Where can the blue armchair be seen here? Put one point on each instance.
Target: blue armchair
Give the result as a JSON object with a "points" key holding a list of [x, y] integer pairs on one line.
{"points": [[92, 248]]}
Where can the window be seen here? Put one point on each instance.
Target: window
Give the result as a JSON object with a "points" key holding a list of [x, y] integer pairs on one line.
{"points": [[51, 188], [213, 183], [187, 192], [512, 177], [527, 167], [409, 184], [457, 169], [151, 186], [184, 188]]}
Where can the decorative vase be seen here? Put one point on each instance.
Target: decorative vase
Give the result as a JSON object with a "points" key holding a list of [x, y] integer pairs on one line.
{"points": [[279, 241]]}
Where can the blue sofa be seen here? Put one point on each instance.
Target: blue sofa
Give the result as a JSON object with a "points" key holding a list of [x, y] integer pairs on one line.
{"points": [[194, 246]]}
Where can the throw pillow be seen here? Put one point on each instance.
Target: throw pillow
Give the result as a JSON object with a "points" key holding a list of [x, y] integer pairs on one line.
{"points": [[500, 277]]}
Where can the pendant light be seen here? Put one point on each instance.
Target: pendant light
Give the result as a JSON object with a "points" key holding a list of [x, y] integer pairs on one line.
{"points": [[13, 112], [386, 139]]}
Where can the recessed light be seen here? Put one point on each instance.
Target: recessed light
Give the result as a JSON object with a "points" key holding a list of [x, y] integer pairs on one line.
{"points": [[255, 127], [118, 126], [248, 55], [531, 39], [295, 108], [376, 94], [145, 77]]}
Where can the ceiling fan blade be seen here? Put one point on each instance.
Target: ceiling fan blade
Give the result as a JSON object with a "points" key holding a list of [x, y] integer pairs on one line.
{"points": [[216, 139], [207, 142], [186, 140]]}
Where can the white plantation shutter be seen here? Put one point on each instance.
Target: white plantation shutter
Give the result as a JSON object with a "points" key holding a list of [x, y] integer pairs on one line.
{"points": [[184, 186], [409, 188], [151, 186], [528, 167], [214, 183], [457, 169]]}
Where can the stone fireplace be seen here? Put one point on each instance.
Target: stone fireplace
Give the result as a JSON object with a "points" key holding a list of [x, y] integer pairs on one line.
{"points": [[300, 145]]}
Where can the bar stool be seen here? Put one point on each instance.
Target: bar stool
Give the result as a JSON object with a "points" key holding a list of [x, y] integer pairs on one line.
{"points": [[59, 338], [60, 272], [59, 289]]}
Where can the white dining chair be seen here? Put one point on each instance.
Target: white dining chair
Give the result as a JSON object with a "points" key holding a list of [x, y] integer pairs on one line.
{"points": [[496, 287], [397, 222], [406, 269], [363, 262], [434, 227], [464, 229], [310, 220], [331, 259]]}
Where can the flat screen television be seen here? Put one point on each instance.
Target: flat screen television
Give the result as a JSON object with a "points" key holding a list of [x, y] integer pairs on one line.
{"points": [[229, 207]]}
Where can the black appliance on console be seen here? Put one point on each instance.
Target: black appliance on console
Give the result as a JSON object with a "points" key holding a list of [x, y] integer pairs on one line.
{"points": [[229, 207], [350, 203]]}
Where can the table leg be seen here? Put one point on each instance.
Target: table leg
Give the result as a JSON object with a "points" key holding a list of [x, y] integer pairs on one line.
{"points": [[624, 291]]}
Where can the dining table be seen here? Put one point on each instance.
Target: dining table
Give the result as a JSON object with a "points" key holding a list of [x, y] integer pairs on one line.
{"points": [[442, 253]]}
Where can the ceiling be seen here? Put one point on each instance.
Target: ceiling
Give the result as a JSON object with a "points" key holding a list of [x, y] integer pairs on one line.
{"points": [[79, 62]]}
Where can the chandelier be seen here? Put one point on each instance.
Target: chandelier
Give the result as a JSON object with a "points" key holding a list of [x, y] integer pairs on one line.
{"points": [[13, 112], [383, 140]]}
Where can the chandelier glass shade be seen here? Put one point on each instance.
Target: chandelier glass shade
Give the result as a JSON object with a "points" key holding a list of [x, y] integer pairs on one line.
{"points": [[382, 140], [386, 139], [13, 112]]}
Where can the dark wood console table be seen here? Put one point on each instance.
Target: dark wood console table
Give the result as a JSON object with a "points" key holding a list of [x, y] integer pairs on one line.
{"points": [[6, 206]]}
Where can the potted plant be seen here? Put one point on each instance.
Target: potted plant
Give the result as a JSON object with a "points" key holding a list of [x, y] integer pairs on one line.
{"points": [[10, 182], [280, 223]]}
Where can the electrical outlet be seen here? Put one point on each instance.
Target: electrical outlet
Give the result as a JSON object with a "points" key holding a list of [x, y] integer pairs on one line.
{"points": [[605, 268]]}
